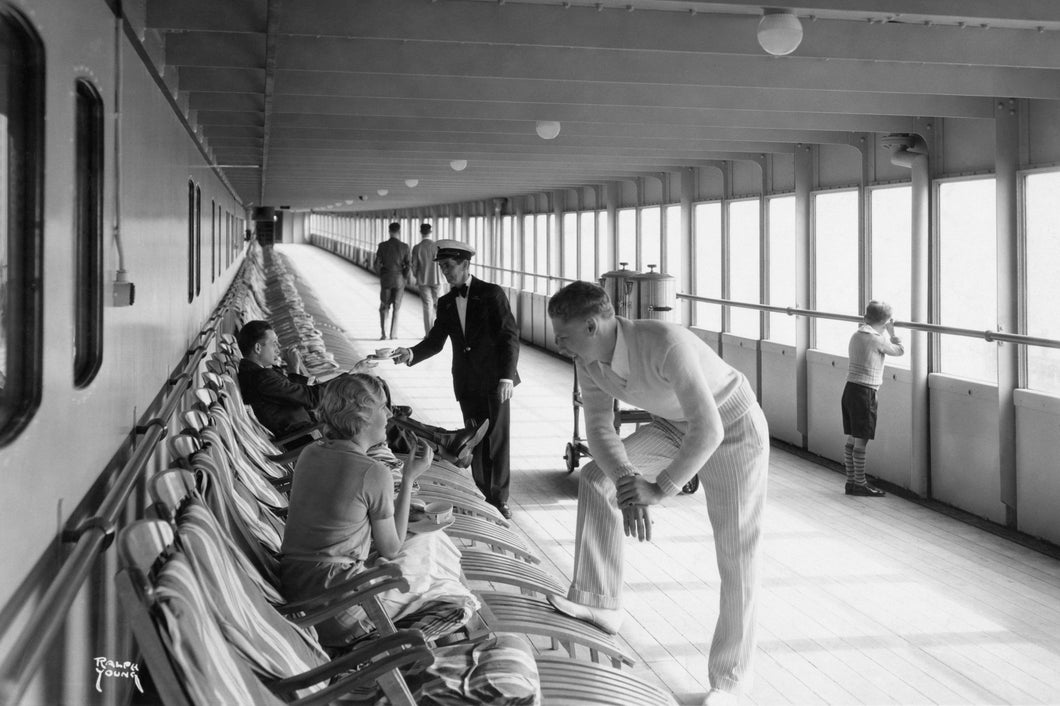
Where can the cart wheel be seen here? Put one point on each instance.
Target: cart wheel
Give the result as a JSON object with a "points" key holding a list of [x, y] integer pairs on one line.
{"points": [[691, 486], [570, 455]]}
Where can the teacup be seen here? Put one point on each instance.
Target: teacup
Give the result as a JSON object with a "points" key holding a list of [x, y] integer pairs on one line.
{"points": [[438, 513], [383, 352]]}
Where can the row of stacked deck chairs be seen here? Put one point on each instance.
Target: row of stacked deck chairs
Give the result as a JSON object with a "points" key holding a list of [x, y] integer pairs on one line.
{"points": [[201, 588]]}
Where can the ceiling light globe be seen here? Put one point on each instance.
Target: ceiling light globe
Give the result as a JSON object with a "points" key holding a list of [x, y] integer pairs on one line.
{"points": [[458, 165], [412, 183], [547, 129], [382, 192], [779, 33]]}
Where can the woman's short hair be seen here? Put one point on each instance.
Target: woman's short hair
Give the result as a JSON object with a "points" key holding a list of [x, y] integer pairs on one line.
{"points": [[877, 312], [580, 300], [347, 403]]}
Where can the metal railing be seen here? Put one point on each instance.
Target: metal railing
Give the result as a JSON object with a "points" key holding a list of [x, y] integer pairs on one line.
{"points": [[93, 535], [987, 335], [522, 273], [991, 336]]}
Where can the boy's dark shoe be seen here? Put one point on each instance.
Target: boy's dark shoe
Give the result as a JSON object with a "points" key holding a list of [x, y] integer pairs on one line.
{"points": [[864, 491]]}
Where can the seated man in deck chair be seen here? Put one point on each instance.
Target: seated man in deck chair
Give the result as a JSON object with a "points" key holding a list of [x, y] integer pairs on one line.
{"points": [[283, 401]]}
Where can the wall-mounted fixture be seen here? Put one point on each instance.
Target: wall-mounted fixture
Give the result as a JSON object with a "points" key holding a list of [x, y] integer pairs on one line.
{"points": [[547, 129], [779, 32]]}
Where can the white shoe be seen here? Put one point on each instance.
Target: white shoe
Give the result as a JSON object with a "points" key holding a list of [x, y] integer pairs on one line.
{"points": [[717, 697], [607, 619]]}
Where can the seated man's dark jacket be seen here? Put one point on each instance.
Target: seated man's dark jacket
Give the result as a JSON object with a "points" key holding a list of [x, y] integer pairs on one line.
{"points": [[280, 402]]}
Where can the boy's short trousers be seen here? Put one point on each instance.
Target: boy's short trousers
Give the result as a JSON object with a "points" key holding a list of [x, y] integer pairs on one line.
{"points": [[859, 411]]}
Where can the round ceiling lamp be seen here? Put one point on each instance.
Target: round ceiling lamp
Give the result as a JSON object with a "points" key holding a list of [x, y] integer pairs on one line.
{"points": [[779, 33], [382, 192], [412, 183], [458, 165], [547, 129]]}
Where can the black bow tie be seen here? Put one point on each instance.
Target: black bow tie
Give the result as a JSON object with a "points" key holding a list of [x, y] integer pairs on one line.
{"points": [[461, 290]]}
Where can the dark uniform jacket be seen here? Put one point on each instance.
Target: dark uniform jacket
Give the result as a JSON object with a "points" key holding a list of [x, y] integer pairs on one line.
{"points": [[280, 402], [488, 352]]}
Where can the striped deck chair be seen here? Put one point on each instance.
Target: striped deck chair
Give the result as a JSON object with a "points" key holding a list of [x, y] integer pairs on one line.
{"points": [[171, 489], [569, 682], [500, 568], [513, 612], [208, 659], [246, 456], [257, 531]]}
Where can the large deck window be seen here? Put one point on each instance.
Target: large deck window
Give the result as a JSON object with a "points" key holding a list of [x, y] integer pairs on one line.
{"points": [[627, 237], [968, 276], [673, 264], [604, 259], [744, 264], [835, 226], [570, 245], [892, 253], [587, 242], [1042, 226], [651, 238], [706, 252], [782, 264]]}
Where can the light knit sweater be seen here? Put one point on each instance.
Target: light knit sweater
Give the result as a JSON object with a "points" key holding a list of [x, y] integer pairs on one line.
{"points": [[866, 352], [670, 373]]}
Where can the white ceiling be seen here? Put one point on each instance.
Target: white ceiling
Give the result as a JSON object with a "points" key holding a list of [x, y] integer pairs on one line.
{"points": [[313, 103]]}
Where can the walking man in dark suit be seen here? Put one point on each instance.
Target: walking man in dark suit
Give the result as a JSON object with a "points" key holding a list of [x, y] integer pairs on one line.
{"points": [[392, 263], [475, 316]]}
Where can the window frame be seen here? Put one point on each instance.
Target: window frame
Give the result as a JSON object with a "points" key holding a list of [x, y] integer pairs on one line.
{"points": [[88, 214]]}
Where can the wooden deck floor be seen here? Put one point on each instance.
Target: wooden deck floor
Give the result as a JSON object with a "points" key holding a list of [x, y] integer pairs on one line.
{"points": [[863, 601]]}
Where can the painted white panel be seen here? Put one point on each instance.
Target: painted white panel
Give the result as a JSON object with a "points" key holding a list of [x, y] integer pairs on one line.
{"points": [[746, 178], [45, 479], [964, 447], [550, 336], [783, 172], [1044, 127], [889, 454], [777, 392], [526, 318], [1038, 476], [513, 302], [826, 376], [742, 354], [710, 184], [838, 165], [711, 338], [537, 316], [967, 146]]}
